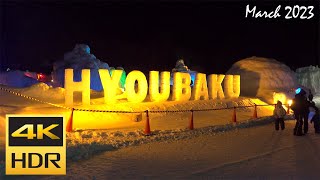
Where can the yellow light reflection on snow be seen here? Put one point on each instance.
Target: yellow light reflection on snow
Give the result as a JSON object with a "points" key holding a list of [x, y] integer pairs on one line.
{"points": [[279, 97]]}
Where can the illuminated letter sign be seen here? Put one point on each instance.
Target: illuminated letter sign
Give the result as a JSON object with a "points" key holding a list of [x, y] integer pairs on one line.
{"points": [[136, 88]]}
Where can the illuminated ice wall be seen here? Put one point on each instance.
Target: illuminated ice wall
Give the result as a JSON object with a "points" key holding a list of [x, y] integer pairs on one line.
{"points": [[309, 77]]}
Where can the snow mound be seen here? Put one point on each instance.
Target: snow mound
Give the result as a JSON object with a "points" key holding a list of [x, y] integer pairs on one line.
{"points": [[181, 67], [79, 58], [16, 79], [166, 120], [43, 92], [260, 77], [309, 77]]}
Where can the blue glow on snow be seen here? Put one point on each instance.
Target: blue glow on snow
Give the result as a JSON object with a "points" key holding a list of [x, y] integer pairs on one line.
{"points": [[192, 75]]}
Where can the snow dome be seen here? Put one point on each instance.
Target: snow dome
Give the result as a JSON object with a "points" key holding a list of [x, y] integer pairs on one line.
{"points": [[262, 77], [79, 58]]}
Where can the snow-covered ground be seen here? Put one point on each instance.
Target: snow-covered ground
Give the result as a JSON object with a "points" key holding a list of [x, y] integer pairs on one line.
{"points": [[85, 144], [123, 129], [258, 152]]}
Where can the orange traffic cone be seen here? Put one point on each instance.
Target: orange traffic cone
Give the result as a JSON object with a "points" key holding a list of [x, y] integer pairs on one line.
{"points": [[191, 121], [234, 116], [69, 125], [255, 114], [147, 131]]}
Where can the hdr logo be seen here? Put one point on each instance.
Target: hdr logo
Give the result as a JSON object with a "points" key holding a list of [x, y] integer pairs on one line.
{"points": [[35, 145]]}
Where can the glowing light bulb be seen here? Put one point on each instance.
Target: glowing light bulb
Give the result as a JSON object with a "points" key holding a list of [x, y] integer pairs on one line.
{"points": [[289, 102]]}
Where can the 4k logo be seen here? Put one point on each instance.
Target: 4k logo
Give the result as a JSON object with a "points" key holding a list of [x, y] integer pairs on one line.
{"points": [[35, 145], [40, 131]]}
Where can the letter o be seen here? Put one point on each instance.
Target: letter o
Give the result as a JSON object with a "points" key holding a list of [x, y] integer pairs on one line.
{"points": [[142, 88]]}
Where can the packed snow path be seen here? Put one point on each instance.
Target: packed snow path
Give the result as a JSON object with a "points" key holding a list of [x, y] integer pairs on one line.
{"points": [[252, 153]]}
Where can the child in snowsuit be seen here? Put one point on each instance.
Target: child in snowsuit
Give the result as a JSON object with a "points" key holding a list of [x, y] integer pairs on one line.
{"points": [[279, 112], [316, 120]]}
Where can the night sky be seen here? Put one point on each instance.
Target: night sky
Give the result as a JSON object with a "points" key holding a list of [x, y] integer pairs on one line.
{"points": [[209, 35]]}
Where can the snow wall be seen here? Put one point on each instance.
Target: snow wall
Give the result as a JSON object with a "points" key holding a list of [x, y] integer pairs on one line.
{"points": [[261, 77], [79, 58], [309, 77], [16, 79], [181, 67]]}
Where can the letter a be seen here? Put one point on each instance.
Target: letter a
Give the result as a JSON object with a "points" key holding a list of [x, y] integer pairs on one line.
{"points": [[200, 88]]}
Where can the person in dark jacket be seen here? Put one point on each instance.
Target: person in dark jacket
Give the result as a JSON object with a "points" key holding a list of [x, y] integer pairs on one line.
{"points": [[300, 106], [316, 119], [295, 106], [305, 111]]}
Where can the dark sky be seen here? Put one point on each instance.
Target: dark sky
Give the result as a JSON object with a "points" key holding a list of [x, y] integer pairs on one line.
{"points": [[209, 35]]}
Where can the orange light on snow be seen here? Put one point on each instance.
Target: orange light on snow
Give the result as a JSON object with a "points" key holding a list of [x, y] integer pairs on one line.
{"points": [[278, 96]]}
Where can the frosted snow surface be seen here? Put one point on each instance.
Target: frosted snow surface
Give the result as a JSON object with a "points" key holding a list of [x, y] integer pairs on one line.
{"points": [[16, 78], [260, 77], [252, 153], [79, 58], [181, 67], [309, 77]]}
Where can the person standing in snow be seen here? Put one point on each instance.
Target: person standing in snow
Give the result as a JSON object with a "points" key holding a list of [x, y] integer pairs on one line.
{"points": [[295, 106], [300, 106], [279, 112], [305, 111], [316, 119]]}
